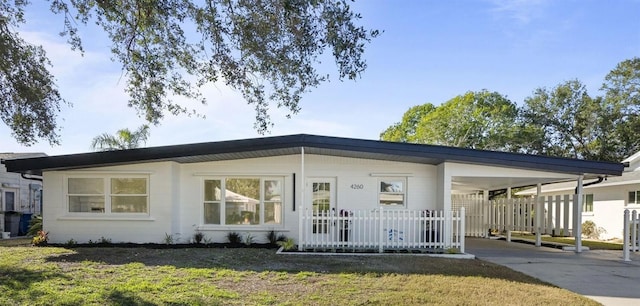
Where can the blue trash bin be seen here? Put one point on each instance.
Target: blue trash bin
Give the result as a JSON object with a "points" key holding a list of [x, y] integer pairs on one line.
{"points": [[24, 223]]}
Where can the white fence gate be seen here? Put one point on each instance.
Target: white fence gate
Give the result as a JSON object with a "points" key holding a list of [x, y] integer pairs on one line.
{"points": [[383, 229], [631, 233]]}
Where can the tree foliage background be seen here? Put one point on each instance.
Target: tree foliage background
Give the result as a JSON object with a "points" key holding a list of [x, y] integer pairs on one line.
{"points": [[265, 49], [562, 121]]}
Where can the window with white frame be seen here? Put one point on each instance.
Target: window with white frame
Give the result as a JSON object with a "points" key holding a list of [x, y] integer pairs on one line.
{"points": [[243, 201], [116, 194], [392, 192], [587, 203], [634, 197], [8, 199]]}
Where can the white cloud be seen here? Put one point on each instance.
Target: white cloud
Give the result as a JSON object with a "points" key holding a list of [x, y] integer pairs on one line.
{"points": [[522, 11]]}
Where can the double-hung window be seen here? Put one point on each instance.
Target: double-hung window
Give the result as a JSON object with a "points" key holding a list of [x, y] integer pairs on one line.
{"points": [[633, 197], [392, 192], [108, 194], [243, 201], [587, 203]]}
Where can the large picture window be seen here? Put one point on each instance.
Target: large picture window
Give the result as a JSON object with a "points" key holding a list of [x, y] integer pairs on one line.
{"points": [[243, 201], [108, 194], [392, 192]]}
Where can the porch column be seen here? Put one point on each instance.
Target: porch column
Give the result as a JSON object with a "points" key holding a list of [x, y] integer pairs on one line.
{"points": [[577, 214], [509, 214], [488, 212], [444, 187], [444, 201], [538, 213], [301, 207]]}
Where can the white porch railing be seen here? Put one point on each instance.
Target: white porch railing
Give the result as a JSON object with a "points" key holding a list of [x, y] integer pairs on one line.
{"points": [[383, 229], [631, 233], [517, 214]]}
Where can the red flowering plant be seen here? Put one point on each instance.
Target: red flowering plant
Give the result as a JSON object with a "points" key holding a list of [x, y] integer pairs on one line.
{"points": [[41, 238]]}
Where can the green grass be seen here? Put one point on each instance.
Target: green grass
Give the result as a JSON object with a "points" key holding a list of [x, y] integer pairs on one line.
{"points": [[593, 245], [139, 276]]}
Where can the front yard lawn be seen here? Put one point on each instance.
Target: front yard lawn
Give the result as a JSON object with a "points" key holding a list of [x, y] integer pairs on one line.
{"points": [[200, 276]]}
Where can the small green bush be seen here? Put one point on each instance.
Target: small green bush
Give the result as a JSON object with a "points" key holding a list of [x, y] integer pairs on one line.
{"points": [[104, 240], [591, 230], [198, 237], [168, 239], [35, 225], [234, 237], [272, 237], [287, 244], [248, 239]]}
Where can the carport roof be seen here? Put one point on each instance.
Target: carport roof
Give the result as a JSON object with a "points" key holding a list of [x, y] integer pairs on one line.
{"points": [[312, 144]]}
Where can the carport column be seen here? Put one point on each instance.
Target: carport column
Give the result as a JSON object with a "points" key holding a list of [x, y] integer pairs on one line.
{"points": [[444, 201], [538, 213], [577, 215], [509, 214], [488, 212], [301, 208]]}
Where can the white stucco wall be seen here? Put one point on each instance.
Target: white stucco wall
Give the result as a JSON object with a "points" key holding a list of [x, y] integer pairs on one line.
{"points": [[63, 226], [609, 203], [176, 196]]}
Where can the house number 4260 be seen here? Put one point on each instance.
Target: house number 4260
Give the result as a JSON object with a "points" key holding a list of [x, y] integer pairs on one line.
{"points": [[357, 186]]}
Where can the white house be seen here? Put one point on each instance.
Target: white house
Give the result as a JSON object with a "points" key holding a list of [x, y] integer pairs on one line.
{"points": [[18, 192], [605, 198], [295, 185]]}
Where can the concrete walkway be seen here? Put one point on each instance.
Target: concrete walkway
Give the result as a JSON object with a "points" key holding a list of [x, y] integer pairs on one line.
{"points": [[597, 274]]}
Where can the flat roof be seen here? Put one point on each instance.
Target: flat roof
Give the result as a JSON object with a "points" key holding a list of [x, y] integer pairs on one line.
{"points": [[312, 144]]}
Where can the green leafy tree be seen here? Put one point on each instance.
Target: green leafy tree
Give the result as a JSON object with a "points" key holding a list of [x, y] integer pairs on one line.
{"points": [[406, 130], [479, 120], [622, 97], [564, 121], [264, 49], [567, 121], [122, 140], [29, 99]]}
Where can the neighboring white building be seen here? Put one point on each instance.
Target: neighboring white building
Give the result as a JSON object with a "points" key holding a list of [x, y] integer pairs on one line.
{"points": [[20, 193], [605, 201], [263, 184]]}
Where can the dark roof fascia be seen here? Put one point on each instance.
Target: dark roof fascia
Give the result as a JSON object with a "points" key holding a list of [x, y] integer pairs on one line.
{"points": [[436, 153], [464, 155]]}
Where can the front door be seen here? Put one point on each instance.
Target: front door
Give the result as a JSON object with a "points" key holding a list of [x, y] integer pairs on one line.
{"points": [[323, 202], [9, 199]]}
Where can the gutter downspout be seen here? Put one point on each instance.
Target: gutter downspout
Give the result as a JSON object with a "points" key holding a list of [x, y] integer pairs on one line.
{"points": [[24, 176], [600, 180], [578, 216]]}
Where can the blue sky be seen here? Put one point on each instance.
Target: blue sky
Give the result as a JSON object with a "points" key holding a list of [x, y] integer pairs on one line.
{"points": [[430, 51]]}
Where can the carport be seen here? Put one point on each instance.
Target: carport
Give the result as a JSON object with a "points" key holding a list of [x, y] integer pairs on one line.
{"points": [[475, 188]]}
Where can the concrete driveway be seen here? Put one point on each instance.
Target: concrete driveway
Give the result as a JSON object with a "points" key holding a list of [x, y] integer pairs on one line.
{"points": [[598, 274]]}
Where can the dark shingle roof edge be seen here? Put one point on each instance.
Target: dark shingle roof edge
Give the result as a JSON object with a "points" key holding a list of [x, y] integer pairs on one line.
{"points": [[385, 150]]}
